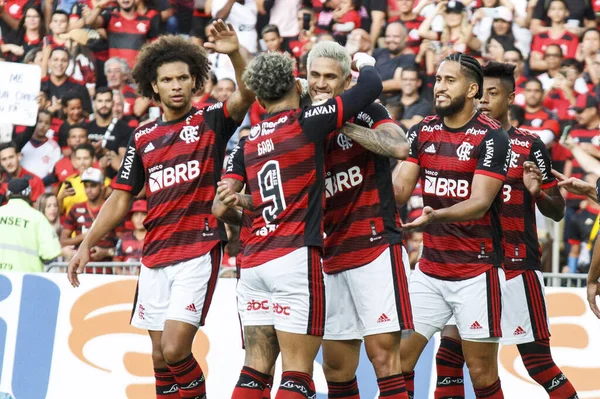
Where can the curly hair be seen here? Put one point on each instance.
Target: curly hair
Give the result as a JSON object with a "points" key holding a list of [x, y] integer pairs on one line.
{"points": [[165, 50], [270, 76]]}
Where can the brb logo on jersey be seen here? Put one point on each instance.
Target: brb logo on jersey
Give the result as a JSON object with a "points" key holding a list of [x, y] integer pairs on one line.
{"points": [[342, 181], [464, 151], [442, 187], [189, 134], [162, 178]]}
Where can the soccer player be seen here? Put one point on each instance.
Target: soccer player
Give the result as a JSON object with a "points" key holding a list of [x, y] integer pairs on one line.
{"points": [[462, 157], [175, 159], [528, 183], [284, 166]]}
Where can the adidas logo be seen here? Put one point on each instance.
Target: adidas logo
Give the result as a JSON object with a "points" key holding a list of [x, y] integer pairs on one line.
{"points": [[475, 326], [149, 147], [519, 331], [81, 219], [430, 149], [383, 318], [191, 307]]}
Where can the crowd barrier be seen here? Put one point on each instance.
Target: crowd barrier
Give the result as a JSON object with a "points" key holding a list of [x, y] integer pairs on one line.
{"points": [[60, 342]]}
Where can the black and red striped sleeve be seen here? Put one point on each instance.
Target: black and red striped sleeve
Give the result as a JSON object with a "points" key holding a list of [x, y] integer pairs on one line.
{"points": [[131, 176], [493, 154], [235, 168], [539, 154]]}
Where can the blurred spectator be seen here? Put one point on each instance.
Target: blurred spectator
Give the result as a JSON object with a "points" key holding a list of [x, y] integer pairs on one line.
{"points": [[537, 118], [10, 163], [72, 190], [129, 247], [301, 44], [200, 20], [117, 71], [48, 205], [579, 13], [492, 22], [65, 167], [57, 84], [566, 86], [11, 13], [557, 34], [415, 108], [589, 46], [283, 15], [81, 216], [359, 42], [515, 57], [59, 24], [273, 40], [553, 57], [204, 97], [107, 133], [392, 58], [26, 236], [242, 15], [346, 19], [496, 46], [39, 154], [29, 34], [407, 12], [374, 19], [223, 90], [127, 31], [73, 110], [516, 115]]}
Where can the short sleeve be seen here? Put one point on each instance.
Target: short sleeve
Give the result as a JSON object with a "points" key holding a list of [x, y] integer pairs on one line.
{"points": [[413, 140], [235, 167], [539, 154], [373, 115], [131, 176], [218, 119], [48, 243], [493, 154]]}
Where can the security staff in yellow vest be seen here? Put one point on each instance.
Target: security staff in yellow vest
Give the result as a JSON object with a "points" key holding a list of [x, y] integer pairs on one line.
{"points": [[26, 236]]}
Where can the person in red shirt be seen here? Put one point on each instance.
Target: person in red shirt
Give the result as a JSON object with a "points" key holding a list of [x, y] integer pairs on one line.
{"points": [[130, 246], [346, 19], [127, 30], [64, 167], [537, 118], [28, 35], [515, 57], [408, 14], [564, 91], [11, 12], [116, 71], [11, 166], [557, 34], [59, 23]]}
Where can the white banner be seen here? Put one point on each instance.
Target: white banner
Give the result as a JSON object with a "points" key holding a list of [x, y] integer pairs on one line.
{"points": [[59, 342], [19, 89]]}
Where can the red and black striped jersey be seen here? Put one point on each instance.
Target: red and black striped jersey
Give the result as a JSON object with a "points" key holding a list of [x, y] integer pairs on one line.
{"points": [[127, 36], [179, 163], [449, 159], [79, 220], [361, 219], [522, 249], [543, 119], [579, 134], [129, 248], [129, 97], [285, 168], [568, 43], [556, 101]]}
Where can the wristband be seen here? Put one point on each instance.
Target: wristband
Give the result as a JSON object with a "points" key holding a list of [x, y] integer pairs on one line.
{"points": [[363, 59], [541, 196]]}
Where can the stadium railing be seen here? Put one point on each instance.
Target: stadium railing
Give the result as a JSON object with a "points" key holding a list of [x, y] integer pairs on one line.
{"points": [[126, 268]]}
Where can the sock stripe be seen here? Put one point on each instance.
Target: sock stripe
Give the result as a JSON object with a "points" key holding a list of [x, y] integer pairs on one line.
{"points": [[490, 391]]}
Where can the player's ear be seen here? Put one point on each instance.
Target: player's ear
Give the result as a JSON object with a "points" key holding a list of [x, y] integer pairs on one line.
{"points": [[299, 87], [511, 98], [348, 81], [472, 90]]}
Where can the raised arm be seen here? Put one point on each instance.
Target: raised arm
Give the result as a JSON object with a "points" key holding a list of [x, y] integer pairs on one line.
{"points": [[576, 186], [226, 42], [387, 139]]}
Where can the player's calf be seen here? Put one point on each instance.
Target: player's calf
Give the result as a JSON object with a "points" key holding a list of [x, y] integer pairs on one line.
{"points": [[449, 362], [340, 361], [538, 361], [482, 361]]}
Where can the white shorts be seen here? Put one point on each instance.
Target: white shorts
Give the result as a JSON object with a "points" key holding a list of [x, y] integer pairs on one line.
{"points": [[475, 303], [371, 299], [181, 292], [287, 293], [524, 316]]}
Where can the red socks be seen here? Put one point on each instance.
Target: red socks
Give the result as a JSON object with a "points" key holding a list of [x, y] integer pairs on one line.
{"points": [[166, 386], [392, 387], [449, 362], [409, 381], [494, 391], [541, 367], [189, 377], [294, 385], [343, 390], [267, 390], [251, 384]]}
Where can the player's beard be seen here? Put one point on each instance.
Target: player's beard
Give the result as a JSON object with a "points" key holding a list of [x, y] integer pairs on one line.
{"points": [[456, 105]]}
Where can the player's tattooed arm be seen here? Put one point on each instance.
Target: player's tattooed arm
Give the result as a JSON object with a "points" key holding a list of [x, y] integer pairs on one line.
{"points": [[387, 139], [245, 201]]}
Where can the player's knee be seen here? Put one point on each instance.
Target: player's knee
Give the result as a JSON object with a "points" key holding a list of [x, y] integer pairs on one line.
{"points": [[337, 370], [173, 353], [483, 373], [158, 360], [385, 361]]}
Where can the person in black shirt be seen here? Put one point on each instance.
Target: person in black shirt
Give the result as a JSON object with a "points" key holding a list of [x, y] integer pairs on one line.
{"points": [[108, 134]]}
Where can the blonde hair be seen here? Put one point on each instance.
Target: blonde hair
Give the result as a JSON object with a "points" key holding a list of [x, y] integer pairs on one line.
{"points": [[40, 205]]}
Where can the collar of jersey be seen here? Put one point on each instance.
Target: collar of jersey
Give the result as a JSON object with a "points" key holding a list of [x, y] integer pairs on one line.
{"points": [[160, 121]]}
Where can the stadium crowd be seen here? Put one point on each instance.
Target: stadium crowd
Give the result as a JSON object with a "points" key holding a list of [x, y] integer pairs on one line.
{"points": [[89, 107]]}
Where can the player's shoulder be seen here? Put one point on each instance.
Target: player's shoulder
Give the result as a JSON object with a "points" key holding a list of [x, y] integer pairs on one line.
{"points": [[485, 122], [144, 130]]}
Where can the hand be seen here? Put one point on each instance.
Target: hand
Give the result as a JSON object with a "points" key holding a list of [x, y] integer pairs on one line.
{"points": [[572, 184], [16, 50], [68, 251], [76, 265], [55, 105], [441, 7], [101, 3], [426, 217], [590, 149], [532, 178], [227, 195], [98, 253], [66, 193], [226, 40], [593, 290]]}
